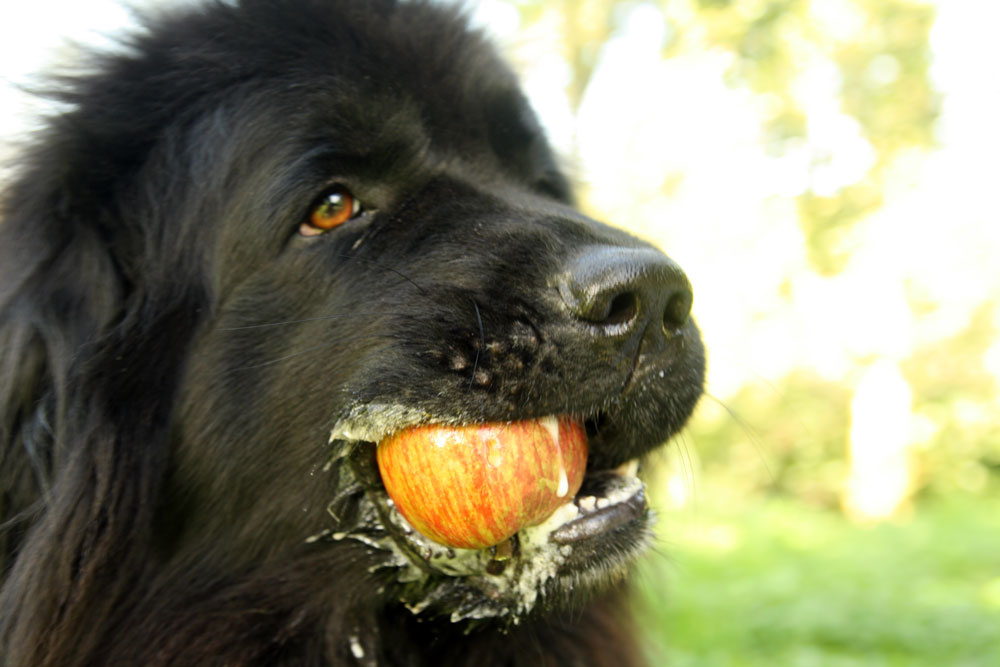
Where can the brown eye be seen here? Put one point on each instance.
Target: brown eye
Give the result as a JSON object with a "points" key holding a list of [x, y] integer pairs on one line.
{"points": [[334, 208]]}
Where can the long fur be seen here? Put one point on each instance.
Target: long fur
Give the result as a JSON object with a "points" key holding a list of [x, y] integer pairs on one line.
{"points": [[172, 357]]}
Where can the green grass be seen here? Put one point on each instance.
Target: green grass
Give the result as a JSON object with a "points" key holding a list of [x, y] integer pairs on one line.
{"points": [[777, 583]]}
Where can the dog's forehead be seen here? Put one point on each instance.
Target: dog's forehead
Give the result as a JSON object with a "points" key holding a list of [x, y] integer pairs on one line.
{"points": [[402, 112], [415, 51], [303, 60]]}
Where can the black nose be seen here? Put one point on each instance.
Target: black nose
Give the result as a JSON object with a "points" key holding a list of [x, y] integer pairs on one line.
{"points": [[624, 291]]}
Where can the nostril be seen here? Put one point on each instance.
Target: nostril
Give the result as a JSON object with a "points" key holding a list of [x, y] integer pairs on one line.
{"points": [[622, 309], [678, 310]]}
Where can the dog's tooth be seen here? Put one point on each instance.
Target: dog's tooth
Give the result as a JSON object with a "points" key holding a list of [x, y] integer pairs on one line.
{"points": [[551, 424], [587, 503], [602, 503], [563, 482]]}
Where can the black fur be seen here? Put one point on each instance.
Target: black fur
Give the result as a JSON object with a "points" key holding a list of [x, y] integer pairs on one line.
{"points": [[174, 355]]}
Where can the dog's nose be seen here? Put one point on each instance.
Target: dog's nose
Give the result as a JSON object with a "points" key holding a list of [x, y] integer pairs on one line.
{"points": [[624, 291]]}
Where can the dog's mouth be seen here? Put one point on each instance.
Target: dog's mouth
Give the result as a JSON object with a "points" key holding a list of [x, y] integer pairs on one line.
{"points": [[586, 543]]}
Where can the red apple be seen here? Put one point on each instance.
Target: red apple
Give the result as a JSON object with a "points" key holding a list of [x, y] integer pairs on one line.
{"points": [[474, 486]]}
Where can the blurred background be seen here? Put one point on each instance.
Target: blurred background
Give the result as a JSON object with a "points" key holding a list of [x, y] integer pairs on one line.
{"points": [[824, 171]]}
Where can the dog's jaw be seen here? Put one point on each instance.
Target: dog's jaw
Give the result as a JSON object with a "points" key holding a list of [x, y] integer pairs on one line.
{"points": [[586, 544]]}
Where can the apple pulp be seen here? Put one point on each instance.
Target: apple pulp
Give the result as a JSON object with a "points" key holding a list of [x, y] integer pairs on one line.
{"points": [[474, 486]]}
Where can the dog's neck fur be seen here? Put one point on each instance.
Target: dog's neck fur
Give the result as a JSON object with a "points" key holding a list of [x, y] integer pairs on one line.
{"points": [[270, 617]]}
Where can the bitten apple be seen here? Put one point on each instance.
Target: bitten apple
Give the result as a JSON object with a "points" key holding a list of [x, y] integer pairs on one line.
{"points": [[474, 486]]}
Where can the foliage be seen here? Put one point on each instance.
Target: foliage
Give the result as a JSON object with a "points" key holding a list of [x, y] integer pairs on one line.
{"points": [[781, 584], [879, 59], [957, 401], [881, 64]]}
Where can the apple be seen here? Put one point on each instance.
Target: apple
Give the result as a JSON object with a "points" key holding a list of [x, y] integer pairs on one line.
{"points": [[474, 486]]}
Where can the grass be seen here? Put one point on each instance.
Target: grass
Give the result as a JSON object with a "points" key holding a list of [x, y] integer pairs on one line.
{"points": [[778, 583]]}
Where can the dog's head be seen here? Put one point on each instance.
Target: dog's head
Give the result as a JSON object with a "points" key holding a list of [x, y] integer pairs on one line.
{"points": [[271, 235]]}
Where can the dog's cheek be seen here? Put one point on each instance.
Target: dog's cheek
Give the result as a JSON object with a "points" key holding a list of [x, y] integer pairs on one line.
{"points": [[250, 448]]}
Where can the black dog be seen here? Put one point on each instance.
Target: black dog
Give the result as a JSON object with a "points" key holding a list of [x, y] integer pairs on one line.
{"points": [[265, 236]]}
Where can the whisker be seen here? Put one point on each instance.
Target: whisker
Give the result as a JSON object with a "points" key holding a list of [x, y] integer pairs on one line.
{"points": [[752, 434], [686, 462], [482, 344], [283, 323], [385, 268]]}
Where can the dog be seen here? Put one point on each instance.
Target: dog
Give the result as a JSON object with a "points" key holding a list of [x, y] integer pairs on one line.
{"points": [[256, 240]]}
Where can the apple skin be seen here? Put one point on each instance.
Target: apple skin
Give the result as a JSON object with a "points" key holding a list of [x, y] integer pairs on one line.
{"points": [[474, 486]]}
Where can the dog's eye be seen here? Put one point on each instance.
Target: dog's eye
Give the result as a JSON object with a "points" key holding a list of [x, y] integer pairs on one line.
{"points": [[335, 207]]}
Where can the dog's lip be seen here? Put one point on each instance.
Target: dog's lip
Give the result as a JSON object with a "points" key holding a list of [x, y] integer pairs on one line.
{"points": [[622, 502], [588, 517], [586, 542]]}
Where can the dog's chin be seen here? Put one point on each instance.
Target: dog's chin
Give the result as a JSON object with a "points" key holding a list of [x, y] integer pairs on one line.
{"points": [[586, 545]]}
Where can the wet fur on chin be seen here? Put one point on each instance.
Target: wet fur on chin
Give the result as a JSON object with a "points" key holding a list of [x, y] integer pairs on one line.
{"points": [[173, 354]]}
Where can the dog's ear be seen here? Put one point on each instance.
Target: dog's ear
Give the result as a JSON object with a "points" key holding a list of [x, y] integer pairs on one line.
{"points": [[82, 431], [59, 291]]}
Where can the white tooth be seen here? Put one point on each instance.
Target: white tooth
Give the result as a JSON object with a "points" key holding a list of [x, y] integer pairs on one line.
{"points": [[563, 482], [628, 469], [587, 503], [602, 503], [551, 424]]}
